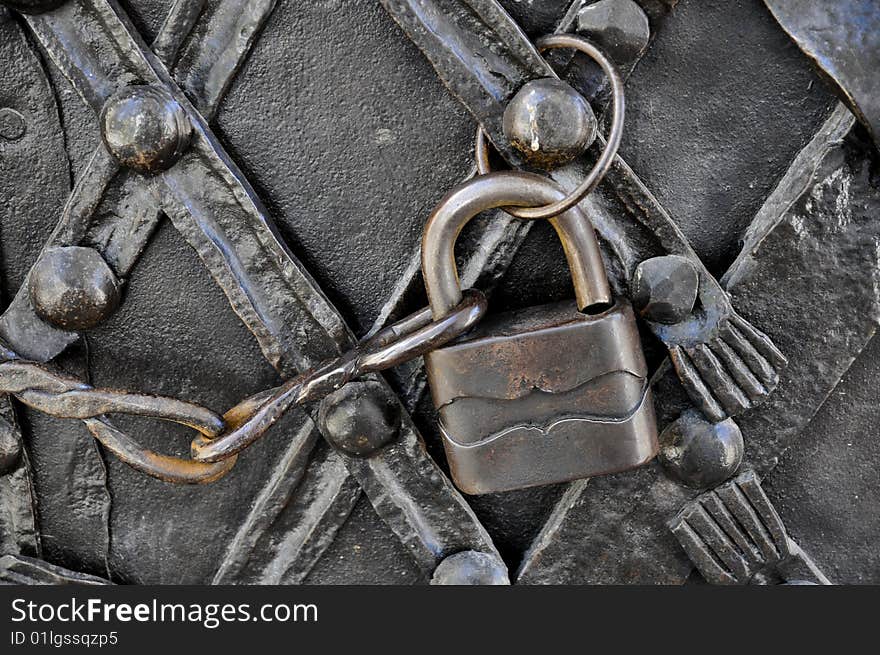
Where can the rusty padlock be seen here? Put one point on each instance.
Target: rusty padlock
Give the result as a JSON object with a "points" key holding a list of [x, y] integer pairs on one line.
{"points": [[546, 394]]}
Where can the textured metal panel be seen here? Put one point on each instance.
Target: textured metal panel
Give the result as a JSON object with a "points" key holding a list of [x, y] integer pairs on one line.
{"points": [[843, 41]]}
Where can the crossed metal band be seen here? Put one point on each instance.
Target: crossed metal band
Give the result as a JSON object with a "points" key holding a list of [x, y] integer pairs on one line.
{"points": [[407, 490], [212, 205]]}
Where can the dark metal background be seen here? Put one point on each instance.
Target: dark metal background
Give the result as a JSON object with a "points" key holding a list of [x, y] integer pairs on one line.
{"points": [[349, 138]]}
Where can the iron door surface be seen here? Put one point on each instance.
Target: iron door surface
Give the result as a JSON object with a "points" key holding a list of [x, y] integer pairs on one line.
{"points": [[326, 120]]}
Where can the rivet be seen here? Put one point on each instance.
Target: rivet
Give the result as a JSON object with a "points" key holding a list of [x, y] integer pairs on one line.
{"points": [[664, 289], [145, 128], [73, 288], [701, 454], [471, 567], [549, 123], [360, 418], [12, 124]]}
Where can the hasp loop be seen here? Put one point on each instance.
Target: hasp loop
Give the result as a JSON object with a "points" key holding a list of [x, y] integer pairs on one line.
{"points": [[591, 181]]}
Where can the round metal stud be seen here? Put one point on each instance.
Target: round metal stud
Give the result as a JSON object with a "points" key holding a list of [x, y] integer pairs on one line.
{"points": [[73, 288], [10, 448], [12, 125], [360, 418], [32, 6], [145, 128], [549, 123], [700, 454], [470, 568], [620, 27], [664, 289], [615, 133]]}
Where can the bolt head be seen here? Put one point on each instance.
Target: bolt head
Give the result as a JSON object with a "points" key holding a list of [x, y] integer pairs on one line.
{"points": [[619, 27], [73, 288], [664, 289], [470, 568], [145, 128], [549, 123], [360, 418], [701, 454], [32, 6]]}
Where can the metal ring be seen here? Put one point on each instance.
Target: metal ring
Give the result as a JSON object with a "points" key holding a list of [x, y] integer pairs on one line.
{"points": [[63, 396], [418, 335], [595, 176], [410, 337], [163, 467], [506, 189]]}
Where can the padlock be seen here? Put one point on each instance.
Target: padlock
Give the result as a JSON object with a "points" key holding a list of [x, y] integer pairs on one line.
{"points": [[546, 394]]}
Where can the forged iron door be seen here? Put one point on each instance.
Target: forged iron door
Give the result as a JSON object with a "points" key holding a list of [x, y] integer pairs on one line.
{"points": [[278, 211]]}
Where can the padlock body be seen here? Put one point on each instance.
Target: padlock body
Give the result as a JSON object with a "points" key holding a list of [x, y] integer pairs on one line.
{"points": [[544, 395]]}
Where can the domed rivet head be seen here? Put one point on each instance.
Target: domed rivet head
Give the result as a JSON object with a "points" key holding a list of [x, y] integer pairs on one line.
{"points": [[32, 6], [700, 454], [360, 418], [470, 568], [549, 123], [73, 288], [620, 28], [664, 289], [12, 125], [10, 447], [145, 128]]}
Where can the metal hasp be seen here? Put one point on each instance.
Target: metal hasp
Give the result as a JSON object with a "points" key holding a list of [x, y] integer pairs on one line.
{"points": [[543, 395], [843, 40]]}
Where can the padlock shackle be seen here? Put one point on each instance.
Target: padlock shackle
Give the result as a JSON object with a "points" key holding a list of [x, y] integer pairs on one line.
{"points": [[507, 189]]}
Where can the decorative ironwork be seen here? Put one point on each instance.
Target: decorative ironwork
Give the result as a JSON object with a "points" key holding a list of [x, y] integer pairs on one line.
{"points": [[734, 535], [840, 38], [212, 205], [159, 156]]}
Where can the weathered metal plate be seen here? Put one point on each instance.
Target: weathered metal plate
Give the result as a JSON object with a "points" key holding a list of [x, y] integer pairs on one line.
{"points": [[843, 40], [345, 133]]}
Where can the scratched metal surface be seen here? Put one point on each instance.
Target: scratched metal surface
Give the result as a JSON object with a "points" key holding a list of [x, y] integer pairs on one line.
{"points": [[350, 142]]}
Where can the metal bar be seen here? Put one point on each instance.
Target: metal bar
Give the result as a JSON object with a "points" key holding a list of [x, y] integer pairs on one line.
{"points": [[209, 59], [839, 229], [251, 557], [271, 291], [21, 570], [176, 28], [122, 232], [481, 55], [217, 212]]}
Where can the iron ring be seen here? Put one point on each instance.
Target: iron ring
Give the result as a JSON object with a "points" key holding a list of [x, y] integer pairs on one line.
{"points": [[595, 176]]}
